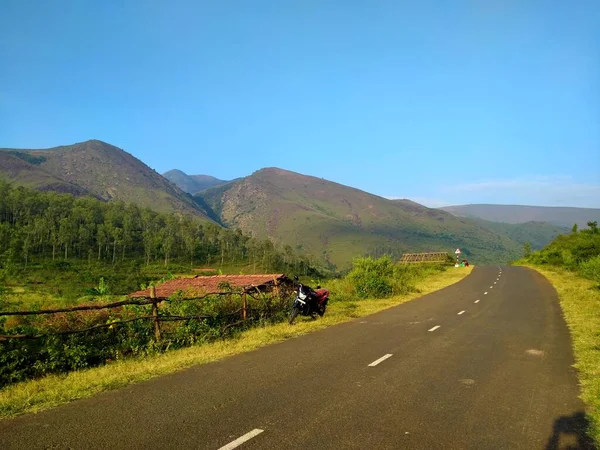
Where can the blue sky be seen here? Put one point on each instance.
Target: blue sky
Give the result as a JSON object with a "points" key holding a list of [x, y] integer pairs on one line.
{"points": [[479, 101]]}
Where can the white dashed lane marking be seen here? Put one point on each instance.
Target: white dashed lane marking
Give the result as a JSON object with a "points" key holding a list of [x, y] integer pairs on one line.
{"points": [[239, 441], [485, 293], [380, 360], [434, 328], [476, 301], [460, 313]]}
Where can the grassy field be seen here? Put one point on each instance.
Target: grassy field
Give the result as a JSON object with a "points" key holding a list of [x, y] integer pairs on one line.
{"points": [[53, 390], [580, 302], [49, 284]]}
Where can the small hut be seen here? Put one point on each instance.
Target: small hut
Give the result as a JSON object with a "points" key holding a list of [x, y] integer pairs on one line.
{"points": [[277, 284]]}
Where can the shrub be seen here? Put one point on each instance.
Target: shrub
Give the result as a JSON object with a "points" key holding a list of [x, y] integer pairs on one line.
{"points": [[591, 269], [372, 277], [379, 278]]}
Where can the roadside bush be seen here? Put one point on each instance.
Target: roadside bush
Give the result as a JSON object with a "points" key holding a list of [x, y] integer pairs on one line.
{"points": [[380, 278], [591, 269], [372, 277]]}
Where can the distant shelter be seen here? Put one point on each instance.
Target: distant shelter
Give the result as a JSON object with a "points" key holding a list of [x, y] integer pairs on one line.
{"points": [[274, 284]]}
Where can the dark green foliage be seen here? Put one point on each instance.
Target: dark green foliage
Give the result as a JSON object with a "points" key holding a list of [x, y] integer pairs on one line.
{"points": [[31, 159], [37, 227], [579, 252], [591, 269]]}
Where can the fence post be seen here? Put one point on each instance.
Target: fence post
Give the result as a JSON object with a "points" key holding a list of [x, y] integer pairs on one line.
{"points": [[157, 335], [244, 306]]}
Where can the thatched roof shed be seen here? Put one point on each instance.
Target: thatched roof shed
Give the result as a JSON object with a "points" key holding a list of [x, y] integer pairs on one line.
{"points": [[202, 285]]}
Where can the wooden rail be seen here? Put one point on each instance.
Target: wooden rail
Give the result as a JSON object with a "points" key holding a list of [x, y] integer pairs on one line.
{"points": [[434, 257], [155, 316]]}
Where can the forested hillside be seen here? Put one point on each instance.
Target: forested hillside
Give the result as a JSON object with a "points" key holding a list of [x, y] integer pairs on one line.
{"points": [[37, 227]]}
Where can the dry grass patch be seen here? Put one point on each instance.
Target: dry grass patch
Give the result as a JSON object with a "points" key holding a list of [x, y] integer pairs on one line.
{"points": [[53, 390]]}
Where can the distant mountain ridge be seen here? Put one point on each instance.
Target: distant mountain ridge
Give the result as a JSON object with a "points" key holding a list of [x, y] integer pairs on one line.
{"points": [[557, 215], [192, 183], [335, 223], [98, 169], [326, 220]]}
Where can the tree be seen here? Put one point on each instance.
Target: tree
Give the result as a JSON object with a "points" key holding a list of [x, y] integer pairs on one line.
{"points": [[527, 249], [593, 226], [575, 228]]}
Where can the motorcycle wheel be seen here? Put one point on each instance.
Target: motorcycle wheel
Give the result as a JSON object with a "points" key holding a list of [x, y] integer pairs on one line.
{"points": [[322, 310], [293, 313]]}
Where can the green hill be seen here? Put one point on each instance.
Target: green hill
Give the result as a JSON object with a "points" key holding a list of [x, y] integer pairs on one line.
{"points": [[192, 183], [538, 234], [98, 169], [336, 223]]}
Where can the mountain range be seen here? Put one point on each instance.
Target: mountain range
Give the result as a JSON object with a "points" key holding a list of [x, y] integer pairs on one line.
{"points": [[557, 215], [331, 222]]}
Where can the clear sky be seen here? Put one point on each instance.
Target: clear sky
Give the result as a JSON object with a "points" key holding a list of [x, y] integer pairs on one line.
{"points": [[443, 102]]}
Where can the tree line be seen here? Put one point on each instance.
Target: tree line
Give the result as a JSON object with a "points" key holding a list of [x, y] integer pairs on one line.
{"points": [[42, 225]]}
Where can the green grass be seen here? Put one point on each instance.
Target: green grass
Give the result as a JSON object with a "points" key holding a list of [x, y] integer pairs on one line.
{"points": [[47, 283], [580, 302], [53, 390]]}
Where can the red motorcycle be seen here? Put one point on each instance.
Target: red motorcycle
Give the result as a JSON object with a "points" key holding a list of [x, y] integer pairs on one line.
{"points": [[309, 302]]}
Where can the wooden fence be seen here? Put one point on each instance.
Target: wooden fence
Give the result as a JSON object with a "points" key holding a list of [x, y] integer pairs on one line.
{"points": [[434, 257], [155, 317]]}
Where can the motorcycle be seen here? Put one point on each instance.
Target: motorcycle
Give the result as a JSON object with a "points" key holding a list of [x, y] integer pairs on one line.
{"points": [[309, 302]]}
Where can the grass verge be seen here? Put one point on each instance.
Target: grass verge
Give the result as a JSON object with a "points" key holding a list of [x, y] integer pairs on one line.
{"points": [[580, 302], [54, 390]]}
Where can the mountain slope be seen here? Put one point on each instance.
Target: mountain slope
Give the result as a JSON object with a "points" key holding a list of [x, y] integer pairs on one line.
{"points": [[538, 234], [17, 168], [337, 223], [192, 183], [561, 216], [99, 169]]}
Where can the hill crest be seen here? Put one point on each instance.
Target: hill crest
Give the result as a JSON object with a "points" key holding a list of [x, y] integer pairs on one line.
{"points": [[102, 170]]}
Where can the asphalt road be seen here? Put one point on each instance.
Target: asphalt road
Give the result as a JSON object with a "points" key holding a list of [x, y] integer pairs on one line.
{"points": [[496, 376]]}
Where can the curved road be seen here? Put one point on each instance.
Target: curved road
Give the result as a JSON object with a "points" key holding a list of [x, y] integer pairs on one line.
{"points": [[483, 364]]}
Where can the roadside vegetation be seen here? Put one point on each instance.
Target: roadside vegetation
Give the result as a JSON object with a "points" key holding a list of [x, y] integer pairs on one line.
{"points": [[572, 264], [371, 286]]}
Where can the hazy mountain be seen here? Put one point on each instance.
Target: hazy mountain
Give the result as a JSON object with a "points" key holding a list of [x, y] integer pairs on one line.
{"points": [[192, 183], [561, 216], [538, 234], [98, 169], [336, 223]]}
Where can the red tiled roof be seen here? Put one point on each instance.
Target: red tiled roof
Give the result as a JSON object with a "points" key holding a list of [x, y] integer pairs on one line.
{"points": [[201, 285]]}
